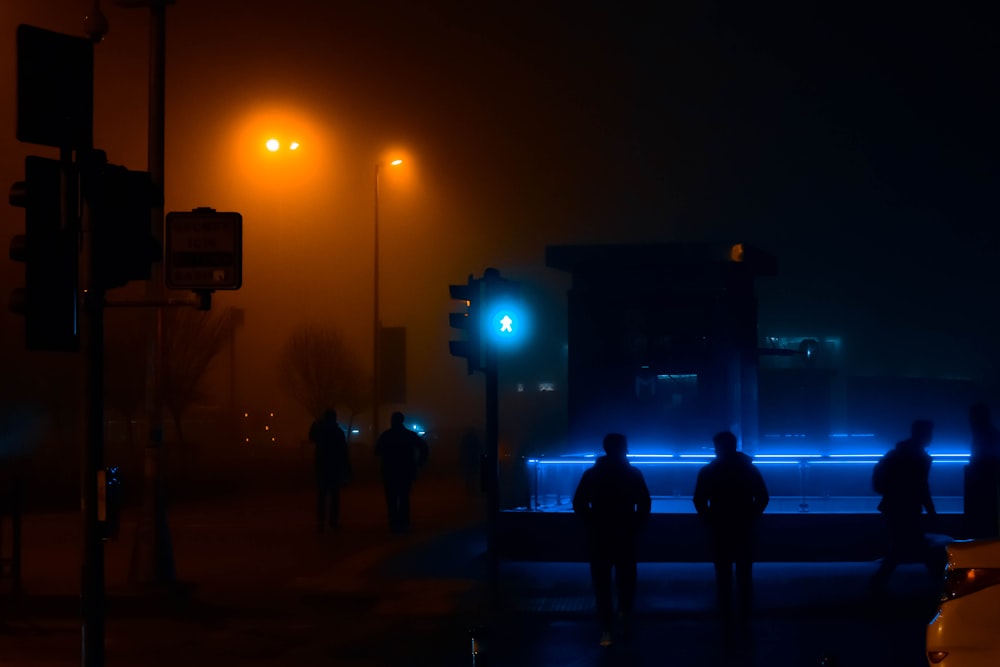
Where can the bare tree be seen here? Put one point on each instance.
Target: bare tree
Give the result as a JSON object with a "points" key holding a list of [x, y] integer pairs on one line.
{"points": [[191, 340], [318, 371]]}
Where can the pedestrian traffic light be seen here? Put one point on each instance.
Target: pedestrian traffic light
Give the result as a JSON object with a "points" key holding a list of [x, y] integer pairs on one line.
{"points": [[503, 317], [49, 249], [121, 201], [470, 345]]}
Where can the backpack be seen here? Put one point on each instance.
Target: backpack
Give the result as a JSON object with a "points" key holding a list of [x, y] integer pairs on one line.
{"points": [[880, 474]]}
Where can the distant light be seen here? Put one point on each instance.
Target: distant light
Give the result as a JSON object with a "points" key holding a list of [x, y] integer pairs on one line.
{"points": [[293, 146], [272, 145], [505, 323], [395, 162]]}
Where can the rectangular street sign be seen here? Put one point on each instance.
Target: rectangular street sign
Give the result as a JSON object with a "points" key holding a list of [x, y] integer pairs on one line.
{"points": [[204, 250], [55, 88]]}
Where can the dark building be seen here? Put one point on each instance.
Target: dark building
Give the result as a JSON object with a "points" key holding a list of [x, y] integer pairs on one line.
{"points": [[663, 341]]}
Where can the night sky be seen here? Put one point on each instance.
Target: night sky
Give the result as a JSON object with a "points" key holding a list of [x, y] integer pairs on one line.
{"points": [[855, 141]]}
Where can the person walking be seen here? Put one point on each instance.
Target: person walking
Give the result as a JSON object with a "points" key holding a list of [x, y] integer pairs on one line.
{"points": [[613, 500], [730, 495], [901, 477], [332, 468], [403, 453]]}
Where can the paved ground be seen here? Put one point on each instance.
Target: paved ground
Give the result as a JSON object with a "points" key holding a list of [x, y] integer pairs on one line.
{"points": [[264, 589]]}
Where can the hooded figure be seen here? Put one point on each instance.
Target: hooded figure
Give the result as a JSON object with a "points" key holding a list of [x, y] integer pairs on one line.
{"points": [[333, 468], [403, 453], [902, 478], [730, 495], [613, 501]]}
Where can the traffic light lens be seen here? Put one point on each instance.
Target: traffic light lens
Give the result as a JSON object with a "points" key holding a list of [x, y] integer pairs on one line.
{"points": [[504, 324]]}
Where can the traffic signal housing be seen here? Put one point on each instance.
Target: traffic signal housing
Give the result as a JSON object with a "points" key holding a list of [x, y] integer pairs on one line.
{"points": [[121, 202], [49, 248], [469, 345], [503, 316]]}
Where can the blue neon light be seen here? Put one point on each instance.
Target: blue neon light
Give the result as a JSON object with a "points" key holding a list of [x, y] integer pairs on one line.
{"points": [[761, 459]]}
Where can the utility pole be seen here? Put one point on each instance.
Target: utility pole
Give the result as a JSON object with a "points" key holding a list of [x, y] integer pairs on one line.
{"points": [[152, 556], [94, 499]]}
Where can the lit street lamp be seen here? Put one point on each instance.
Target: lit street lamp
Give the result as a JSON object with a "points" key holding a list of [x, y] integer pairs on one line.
{"points": [[376, 321]]}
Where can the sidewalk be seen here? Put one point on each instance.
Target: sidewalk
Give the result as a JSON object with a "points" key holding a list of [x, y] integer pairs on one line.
{"points": [[805, 613], [267, 590], [263, 588]]}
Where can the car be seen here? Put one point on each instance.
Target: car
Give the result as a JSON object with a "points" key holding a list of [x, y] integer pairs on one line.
{"points": [[964, 631]]}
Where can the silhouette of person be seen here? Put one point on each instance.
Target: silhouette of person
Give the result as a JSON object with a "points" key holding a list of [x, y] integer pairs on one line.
{"points": [[901, 477], [613, 500], [730, 495], [403, 453], [982, 475], [332, 467]]}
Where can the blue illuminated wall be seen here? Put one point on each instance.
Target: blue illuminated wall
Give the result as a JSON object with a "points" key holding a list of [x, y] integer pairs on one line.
{"points": [[798, 481], [664, 346]]}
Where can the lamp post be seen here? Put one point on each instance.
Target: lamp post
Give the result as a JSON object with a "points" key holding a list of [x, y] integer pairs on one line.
{"points": [[376, 319]]}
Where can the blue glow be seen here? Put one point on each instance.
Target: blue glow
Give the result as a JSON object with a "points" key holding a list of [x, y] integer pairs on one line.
{"points": [[761, 459], [505, 320], [650, 456], [787, 456]]}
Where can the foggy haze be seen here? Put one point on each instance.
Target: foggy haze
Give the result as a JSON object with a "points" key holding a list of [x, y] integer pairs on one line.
{"points": [[856, 145]]}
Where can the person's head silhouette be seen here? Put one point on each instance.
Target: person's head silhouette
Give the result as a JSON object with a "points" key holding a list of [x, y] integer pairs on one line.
{"points": [[725, 443], [396, 420], [616, 446]]}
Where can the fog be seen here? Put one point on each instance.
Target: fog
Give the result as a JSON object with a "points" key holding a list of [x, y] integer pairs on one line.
{"points": [[839, 143]]}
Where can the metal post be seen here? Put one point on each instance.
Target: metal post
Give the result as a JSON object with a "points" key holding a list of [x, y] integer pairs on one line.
{"points": [[92, 584], [93, 558], [492, 469], [152, 557], [17, 489], [376, 328]]}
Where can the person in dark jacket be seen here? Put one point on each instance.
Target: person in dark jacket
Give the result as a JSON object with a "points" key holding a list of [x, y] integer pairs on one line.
{"points": [[730, 495], [403, 453], [902, 478], [982, 476], [613, 500], [332, 467]]}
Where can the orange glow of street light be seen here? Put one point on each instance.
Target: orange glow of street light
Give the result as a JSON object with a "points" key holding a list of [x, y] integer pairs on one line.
{"points": [[294, 145], [395, 162]]}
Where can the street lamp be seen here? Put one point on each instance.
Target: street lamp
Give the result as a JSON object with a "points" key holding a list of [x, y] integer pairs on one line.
{"points": [[376, 321]]}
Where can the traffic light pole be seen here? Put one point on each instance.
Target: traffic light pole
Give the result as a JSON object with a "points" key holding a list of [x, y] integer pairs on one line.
{"points": [[92, 487], [492, 472], [93, 501]]}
